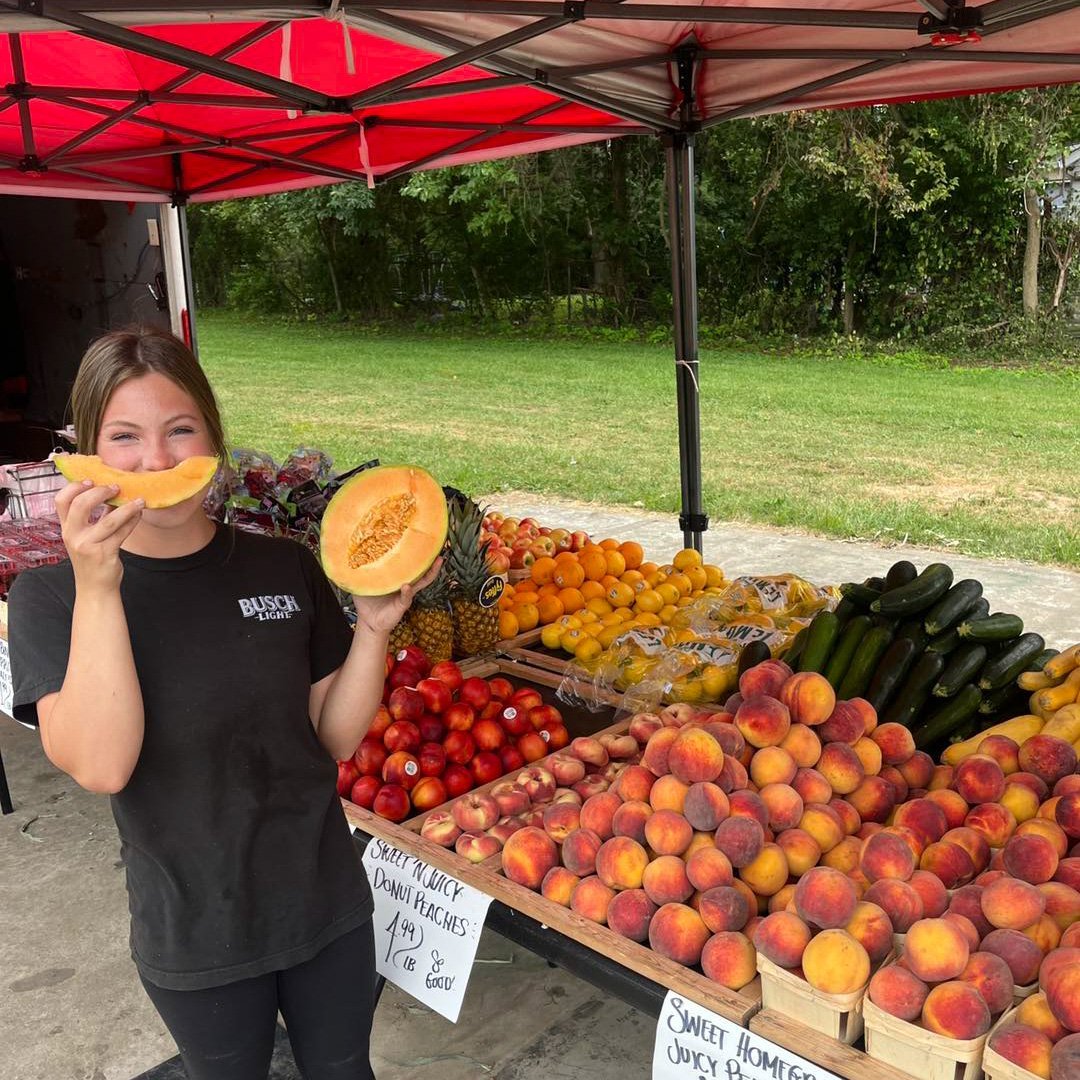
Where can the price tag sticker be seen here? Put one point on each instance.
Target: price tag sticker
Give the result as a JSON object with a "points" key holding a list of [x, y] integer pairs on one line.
{"points": [[693, 1043], [427, 926], [6, 690]]}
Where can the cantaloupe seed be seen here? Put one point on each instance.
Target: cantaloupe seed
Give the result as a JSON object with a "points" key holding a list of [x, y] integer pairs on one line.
{"points": [[381, 529]]}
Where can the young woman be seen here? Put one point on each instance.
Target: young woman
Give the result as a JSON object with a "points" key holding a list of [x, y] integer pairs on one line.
{"points": [[206, 679]]}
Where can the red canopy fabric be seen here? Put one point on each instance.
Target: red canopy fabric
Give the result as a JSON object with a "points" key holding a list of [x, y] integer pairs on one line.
{"points": [[124, 99]]}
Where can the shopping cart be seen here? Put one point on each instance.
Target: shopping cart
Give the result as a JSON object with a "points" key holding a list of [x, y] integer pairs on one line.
{"points": [[29, 490]]}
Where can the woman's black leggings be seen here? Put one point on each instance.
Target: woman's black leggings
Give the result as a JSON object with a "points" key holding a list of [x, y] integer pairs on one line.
{"points": [[227, 1032]]}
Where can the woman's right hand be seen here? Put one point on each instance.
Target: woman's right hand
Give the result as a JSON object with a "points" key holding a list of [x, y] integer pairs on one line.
{"points": [[94, 545]]}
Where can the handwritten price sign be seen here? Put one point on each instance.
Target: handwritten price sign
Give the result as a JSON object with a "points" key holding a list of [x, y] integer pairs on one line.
{"points": [[427, 926], [5, 678], [693, 1043]]}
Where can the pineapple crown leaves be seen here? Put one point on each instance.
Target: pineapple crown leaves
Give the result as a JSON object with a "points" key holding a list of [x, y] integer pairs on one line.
{"points": [[466, 562], [437, 594]]}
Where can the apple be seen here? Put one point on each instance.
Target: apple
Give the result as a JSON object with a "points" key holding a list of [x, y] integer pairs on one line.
{"points": [[521, 559], [589, 750], [446, 671], [538, 783], [578, 539], [561, 539], [364, 790], [432, 759], [457, 780], [415, 656], [532, 746], [619, 747], [347, 775], [643, 726], [541, 546], [406, 704], [401, 768], [504, 828], [428, 793], [530, 521], [498, 562], [403, 675], [477, 846], [486, 766], [526, 698], [501, 688], [475, 810], [392, 802], [511, 757], [475, 692], [402, 735], [439, 828], [556, 736], [540, 715], [591, 785], [436, 695], [512, 798], [431, 728], [515, 721], [460, 716], [566, 769], [488, 734], [459, 746], [370, 756], [380, 722]]}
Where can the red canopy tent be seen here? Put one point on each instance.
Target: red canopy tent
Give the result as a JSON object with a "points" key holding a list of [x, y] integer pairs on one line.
{"points": [[183, 101]]}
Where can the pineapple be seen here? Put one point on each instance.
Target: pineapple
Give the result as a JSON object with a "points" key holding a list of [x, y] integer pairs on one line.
{"points": [[431, 620], [401, 635], [476, 628]]}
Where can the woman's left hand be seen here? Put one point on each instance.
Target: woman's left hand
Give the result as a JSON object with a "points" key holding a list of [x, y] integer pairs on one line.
{"points": [[381, 614]]}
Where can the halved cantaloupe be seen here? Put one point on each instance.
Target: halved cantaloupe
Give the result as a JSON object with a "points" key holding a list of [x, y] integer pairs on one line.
{"points": [[383, 529], [165, 487]]}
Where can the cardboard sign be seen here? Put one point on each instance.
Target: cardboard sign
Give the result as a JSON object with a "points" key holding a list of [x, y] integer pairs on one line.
{"points": [[693, 1043], [427, 926], [6, 690]]}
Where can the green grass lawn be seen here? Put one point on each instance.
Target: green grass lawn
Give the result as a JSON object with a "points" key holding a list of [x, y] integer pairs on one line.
{"points": [[985, 461]]}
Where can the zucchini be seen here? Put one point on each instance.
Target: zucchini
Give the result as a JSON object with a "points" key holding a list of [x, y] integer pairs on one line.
{"points": [[916, 595], [996, 627], [913, 629], [900, 573], [754, 653], [845, 610], [846, 645], [820, 639], [960, 708], [862, 596], [791, 657], [950, 639], [875, 583], [953, 606], [996, 700], [1042, 659], [915, 689], [963, 667], [1007, 665], [867, 656], [891, 671]]}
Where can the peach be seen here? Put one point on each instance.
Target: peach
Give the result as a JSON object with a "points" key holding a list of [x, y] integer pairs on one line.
{"points": [[935, 950], [1068, 872], [1012, 905], [1030, 857], [1065, 1058], [957, 1010], [941, 778], [1035, 1012], [589, 750], [749, 804], [630, 913], [598, 813], [845, 724], [708, 868], [1062, 903], [695, 756], [668, 793], [724, 731], [730, 959], [1020, 954], [621, 862], [668, 832], [824, 824], [950, 862], [1051, 830], [993, 821], [967, 901], [658, 749], [1067, 785], [803, 744], [874, 799], [869, 754], [1023, 1046], [952, 805], [528, 855], [800, 849], [898, 900], [740, 839], [895, 990], [1005, 751], [724, 908], [758, 904], [894, 778], [1045, 932], [561, 819], [559, 885], [763, 721], [768, 873], [784, 806], [1048, 809], [835, 963], [988, 877], [934, 896], [772, 765], [979, 779], [591, 899], [1048, 757], [781, 937], [629, 820], [705, 806], [567, 769], [665, 882], [1030, 780], [476, 846], [992, 977], [887, 855], [872, 929], [974, 843], [634, 783], [866, 711], [677, 932], [812, 786], [966, 927], [925, 818], [849, 816], [825, 898], [784, 900], [844, 857], [700, 840], [1067, 813], [1071, 938], [841, 767], [767, 678], [809, 697], [895, 743], [733, 776], [918, 770], [579, 852], [593, 784], [643, 725], [1060, 958], [750, 929]]}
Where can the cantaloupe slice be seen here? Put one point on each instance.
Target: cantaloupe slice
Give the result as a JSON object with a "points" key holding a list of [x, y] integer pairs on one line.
{"points": [[383, 529], [159, 489]]}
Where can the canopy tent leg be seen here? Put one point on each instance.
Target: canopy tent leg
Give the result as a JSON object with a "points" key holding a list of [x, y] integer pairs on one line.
{"points": [[682, 222]]}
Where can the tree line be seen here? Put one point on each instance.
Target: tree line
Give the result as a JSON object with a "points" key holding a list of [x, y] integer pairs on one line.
{"points": [[886, 221]]}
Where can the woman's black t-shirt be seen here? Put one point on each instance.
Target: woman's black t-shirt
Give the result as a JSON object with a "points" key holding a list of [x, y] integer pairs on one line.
{"points": [[238, 856]]}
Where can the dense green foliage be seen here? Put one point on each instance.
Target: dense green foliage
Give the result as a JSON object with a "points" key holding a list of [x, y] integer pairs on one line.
{"points": [[891, 222]]}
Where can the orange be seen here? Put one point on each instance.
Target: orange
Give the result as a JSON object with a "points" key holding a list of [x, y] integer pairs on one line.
{"points": [[667, 612], [551, 636], [594, 564], [506, 601], [508, 625], [634, 579], [569, 575], [590, 546], [613, 618], [624, 613], [648, 568], [647, 618], [572, 600], [649, 600], [682, 583], [669, 593], [550, 589], [592, 589], [607, 581], [616, 564], [714, 576], [570, 640], [550, 608], [542, 569], [620, 594], [587, 650], [686, 557], [525, 596], [632, 553], [609, 635], [609, 544], [598, 605], [527, 615], [697, 576], [654, 578]]}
